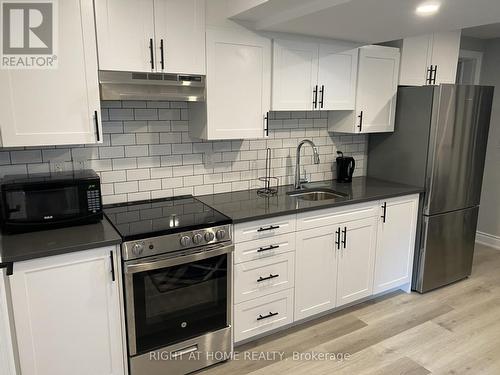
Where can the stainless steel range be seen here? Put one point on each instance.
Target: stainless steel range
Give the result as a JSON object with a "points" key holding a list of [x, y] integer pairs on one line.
{"points": [[177, 259]]}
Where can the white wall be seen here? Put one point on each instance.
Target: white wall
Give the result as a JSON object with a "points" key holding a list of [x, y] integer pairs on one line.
{"points": [[489, 214]]}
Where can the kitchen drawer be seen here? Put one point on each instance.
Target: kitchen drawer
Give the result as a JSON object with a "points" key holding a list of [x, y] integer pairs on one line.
{"points": [[264, 248], [261, 277], [335, 215], [264, 314], [265, 228]]}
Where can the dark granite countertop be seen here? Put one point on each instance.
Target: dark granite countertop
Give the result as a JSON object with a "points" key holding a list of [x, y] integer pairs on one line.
{"points": [[246, 205], [25, 246]]}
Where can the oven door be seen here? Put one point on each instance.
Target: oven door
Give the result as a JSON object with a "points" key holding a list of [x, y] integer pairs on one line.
{"points": [[173, 299]]}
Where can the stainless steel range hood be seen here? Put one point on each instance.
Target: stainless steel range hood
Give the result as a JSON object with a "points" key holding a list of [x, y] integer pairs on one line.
{"points": [[151, 86]]}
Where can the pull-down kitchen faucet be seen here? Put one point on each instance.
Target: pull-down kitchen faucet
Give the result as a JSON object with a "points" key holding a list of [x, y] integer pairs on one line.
{"points": [[298, 181]]}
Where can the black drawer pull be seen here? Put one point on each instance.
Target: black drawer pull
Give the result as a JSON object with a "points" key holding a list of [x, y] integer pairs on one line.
{"points": [[272, 247], [268, 228], [271, 276], [151, 54], [384, 216], [344, 232], [270, 315], [337, 240]]}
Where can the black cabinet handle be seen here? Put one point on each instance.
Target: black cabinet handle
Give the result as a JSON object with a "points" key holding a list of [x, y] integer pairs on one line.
{"points": [[162, 52], [322, 92], [112, 258], [96, 119], [428, 80], [384, 215], [151, 54], [337, 241], [271, 276], [271, 314], [315, 95], [344, 241], [9, 268], [266, 119], [360, 126], [435, 74], [272, 247], [268, 228]]}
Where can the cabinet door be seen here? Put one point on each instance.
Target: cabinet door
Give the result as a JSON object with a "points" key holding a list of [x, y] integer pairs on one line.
{"points": [[7, 361], [416, 57], [295, 75], [445, 50], [124, 31], [396, 243], [180, 26], [356, 260], [67, 315], [337, 75], [238, 83], [56, 106], [315, 271], [377, 88]]}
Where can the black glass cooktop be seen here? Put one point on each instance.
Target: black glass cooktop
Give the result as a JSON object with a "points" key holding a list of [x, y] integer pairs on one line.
{"points": [[142, 219]]}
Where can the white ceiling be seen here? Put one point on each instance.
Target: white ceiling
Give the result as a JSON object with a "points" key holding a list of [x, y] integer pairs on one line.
{"points": [[483, 32], [369, 21]]}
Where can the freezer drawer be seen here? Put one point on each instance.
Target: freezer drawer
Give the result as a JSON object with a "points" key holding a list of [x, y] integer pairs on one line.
{"points": [[447, 248]]}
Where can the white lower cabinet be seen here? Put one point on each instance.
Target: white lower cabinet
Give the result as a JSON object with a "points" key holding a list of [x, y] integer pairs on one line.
{"points": [[260, 277], [356, 260], [67, 314], [263, 314], [314, 262], [395, 242], [7, 355], [316, 267]]}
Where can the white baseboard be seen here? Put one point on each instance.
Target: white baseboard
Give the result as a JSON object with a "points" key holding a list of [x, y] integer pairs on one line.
{"points": [[488, 240]]}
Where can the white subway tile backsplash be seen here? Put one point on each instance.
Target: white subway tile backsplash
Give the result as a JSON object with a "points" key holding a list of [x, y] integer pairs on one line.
{"points": [[122, 139], [26, 156], [138, 174], [113, 176], [121, 114], [136, 151], [126, 187], [147, 152]]}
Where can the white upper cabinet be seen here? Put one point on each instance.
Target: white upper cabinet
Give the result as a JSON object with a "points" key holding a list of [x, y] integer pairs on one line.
{"points": [[395, 242], [430, 59], [56, 106], [376, 92], [180, 27], [125, 35], [309, 76], [67, 314], [295, 75], [238, 86], [337, 77], [151, 35]]}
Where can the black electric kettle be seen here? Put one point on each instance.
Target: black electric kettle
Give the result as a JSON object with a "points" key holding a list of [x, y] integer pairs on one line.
{"points": [[345, 167]]}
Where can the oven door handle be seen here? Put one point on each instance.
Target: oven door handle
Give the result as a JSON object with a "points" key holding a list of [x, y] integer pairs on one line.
{"points": [[169, 261]]}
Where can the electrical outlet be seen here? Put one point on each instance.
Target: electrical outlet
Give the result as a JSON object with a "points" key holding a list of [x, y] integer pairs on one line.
{"points": [[57, 167], [78, 165]]}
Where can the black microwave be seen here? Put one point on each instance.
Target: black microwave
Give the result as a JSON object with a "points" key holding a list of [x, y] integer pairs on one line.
{"points": [[45, 201]]}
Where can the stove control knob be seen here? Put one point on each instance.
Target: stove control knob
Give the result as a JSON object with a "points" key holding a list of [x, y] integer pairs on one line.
{"points": [[197, 238], [138, 248], [185, 241], [220, 234], [209, 236]]}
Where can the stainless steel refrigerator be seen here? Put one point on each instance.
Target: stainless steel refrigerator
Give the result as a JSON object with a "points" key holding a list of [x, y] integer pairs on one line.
{"points": [[439, 143]]}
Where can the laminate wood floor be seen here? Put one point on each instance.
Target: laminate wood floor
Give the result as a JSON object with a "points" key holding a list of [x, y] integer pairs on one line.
{"points": [[453, 330]]}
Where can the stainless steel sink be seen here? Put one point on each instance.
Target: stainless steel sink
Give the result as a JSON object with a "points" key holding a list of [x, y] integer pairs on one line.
{"points": [[316, 194]]}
